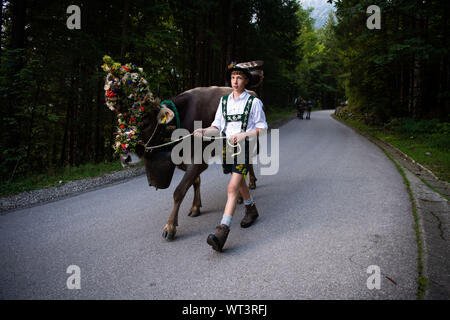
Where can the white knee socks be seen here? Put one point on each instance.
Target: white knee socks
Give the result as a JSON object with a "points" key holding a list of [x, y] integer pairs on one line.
{"points": [[226, 220]]}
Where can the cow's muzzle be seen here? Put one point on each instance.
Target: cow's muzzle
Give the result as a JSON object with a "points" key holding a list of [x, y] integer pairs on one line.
{"points": [[159, 168], [129, 159]]}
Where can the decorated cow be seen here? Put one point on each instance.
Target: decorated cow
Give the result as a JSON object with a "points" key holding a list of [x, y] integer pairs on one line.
{"points": [[145, 123]]}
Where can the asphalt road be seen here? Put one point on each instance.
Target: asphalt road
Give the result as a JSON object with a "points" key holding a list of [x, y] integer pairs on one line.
{"points": [[337, 206]]}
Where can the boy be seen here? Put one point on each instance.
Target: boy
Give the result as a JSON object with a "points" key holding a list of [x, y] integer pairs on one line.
{"points": [[239, 116]]}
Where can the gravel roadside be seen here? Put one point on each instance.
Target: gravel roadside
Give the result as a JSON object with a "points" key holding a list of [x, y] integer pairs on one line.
{"points": [[31, 198]]}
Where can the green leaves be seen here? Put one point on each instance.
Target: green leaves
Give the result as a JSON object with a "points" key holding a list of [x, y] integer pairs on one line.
{"points": [[399, 69], [319, 69]]}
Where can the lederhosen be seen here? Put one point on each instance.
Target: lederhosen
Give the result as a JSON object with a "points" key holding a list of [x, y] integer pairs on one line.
{"points": [[240, 168]]}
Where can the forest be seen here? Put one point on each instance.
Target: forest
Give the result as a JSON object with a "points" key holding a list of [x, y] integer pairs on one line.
{"points": [[53, 109]]}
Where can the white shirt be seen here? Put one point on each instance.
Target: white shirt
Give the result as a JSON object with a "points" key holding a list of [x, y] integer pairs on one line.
{"points": [[257, 118]]}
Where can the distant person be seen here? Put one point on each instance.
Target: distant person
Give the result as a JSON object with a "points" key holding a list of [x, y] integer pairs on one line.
{"points": [[309, 106], [300, 105]]}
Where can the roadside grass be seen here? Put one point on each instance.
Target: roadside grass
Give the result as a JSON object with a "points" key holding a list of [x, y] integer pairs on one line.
{"points": [[422, 281], [56, 177], [273, 115], [427, 142]]}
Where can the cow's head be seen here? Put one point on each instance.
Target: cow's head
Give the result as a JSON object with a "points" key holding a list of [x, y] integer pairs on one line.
{"points": [[158, 164], [151, 134], [141, 119]]}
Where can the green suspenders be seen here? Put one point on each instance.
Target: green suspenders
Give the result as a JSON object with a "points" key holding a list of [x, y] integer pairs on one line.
{"points": [[237, 117]]}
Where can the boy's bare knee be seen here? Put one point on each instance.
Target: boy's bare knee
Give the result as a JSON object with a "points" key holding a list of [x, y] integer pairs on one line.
{"points": [[233, 189]]}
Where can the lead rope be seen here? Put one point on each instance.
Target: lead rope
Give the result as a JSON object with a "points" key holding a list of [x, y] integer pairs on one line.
{"points": [[145, 145], [186, 136]]}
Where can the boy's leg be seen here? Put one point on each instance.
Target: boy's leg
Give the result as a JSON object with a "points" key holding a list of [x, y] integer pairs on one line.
{"points": [[251, 213], [218, 239], [243, 190], [235, 184]]}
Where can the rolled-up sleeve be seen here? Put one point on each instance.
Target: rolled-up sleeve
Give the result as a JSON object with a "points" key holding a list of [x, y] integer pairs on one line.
{"points": [[257, 114], [219, 121]]}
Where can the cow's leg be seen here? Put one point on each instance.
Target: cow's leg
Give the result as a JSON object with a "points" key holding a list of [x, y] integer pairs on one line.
{"points": [[252, 178], [239, 199], [192, 172], [197, 203]]}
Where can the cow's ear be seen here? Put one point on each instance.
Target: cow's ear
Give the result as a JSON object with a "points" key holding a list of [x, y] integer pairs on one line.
{"points": [[165, 115]]}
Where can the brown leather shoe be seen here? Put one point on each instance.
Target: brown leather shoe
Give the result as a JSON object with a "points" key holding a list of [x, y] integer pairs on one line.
{"points": [[250, 216], [217, 240]]}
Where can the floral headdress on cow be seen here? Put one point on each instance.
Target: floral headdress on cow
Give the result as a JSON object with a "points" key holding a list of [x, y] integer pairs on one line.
{"points": [[125, 85]]}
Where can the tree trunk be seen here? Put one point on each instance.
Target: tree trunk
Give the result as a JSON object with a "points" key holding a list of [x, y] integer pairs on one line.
{"points": [[18, 23], [228, 32], [1, 28], [444, 72], [124, 28], [417, 72], [54, 147], [29, 137], [73, 129], [71, 155], [111, 136], [199, 52], [403, 90], [98, 149], [67, 125], [192, 67], [87, 125], [411, 90]]}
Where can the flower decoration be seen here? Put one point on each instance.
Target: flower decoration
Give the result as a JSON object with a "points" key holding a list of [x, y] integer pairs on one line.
{"points": [[125, 85], [232, 65]]}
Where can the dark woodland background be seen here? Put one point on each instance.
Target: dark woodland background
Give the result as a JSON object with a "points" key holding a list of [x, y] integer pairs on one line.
{"points": [[53, 112]]}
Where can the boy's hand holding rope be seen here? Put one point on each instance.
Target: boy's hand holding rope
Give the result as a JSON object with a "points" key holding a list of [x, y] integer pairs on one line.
{"points": [[232, 141]]}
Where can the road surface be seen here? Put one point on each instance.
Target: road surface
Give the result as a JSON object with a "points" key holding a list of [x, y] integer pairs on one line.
{"points": [[337, 206]]}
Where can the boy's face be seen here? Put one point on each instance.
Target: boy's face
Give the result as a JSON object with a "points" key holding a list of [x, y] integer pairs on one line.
{"points": [[238, 81]]}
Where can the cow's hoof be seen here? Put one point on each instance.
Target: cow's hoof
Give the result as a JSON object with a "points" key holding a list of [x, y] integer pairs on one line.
{"points": [[240, 200], [169, 232], [195, 212]]}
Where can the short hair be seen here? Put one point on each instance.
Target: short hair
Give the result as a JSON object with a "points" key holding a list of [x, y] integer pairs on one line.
{"points": [[239, 72]]}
